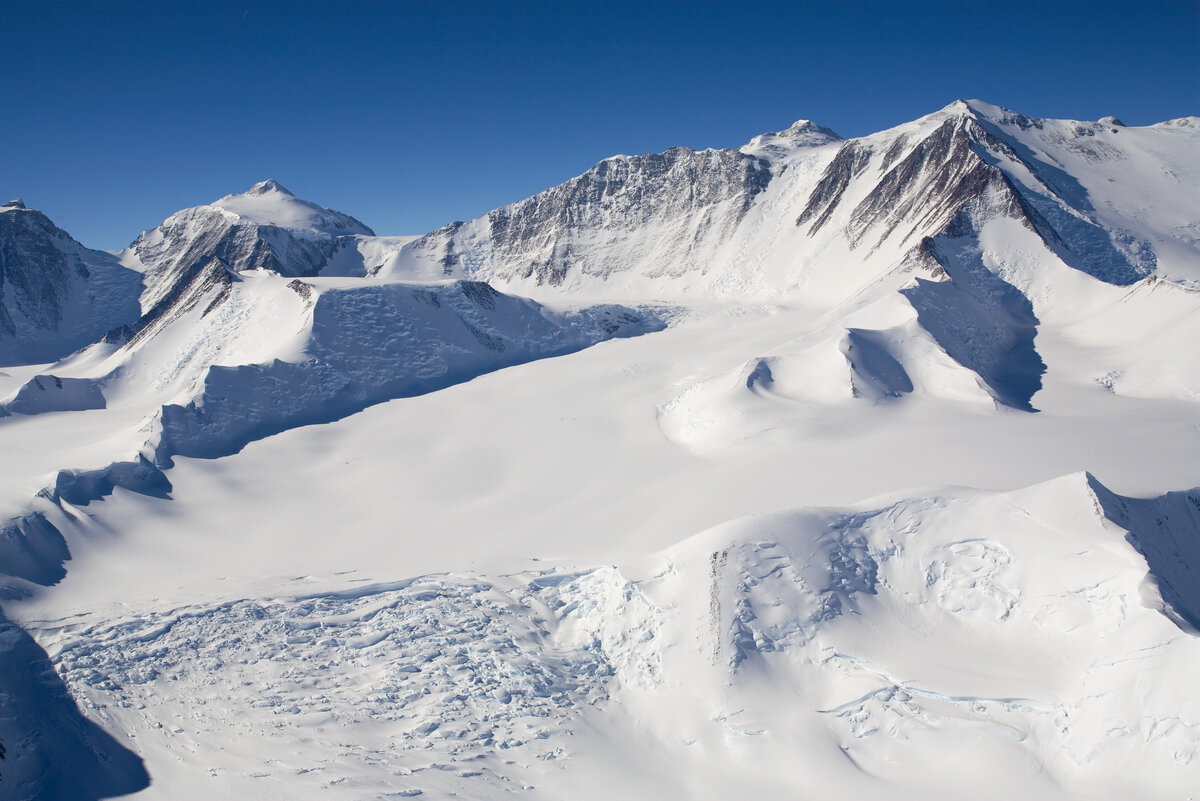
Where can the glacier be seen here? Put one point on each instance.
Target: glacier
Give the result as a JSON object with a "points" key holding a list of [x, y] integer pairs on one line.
{"points": [[818, 465]]}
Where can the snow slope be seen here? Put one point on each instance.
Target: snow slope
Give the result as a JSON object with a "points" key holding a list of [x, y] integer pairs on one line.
{"points": [[771, 217], [273, 354], [976, 214], [336, 517], [907, 648]]}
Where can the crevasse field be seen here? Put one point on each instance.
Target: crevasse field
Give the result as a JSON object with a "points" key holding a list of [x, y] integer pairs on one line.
{"points": [[817, 467]]}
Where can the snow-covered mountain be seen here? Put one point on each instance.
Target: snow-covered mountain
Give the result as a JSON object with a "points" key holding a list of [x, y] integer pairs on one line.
{"points": [[231, 348], [55, 295], [264, 228], [761, 219], [568, 500], [970, 213]]}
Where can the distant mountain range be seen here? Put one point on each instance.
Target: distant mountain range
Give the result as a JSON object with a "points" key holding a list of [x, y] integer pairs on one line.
{"points": [[974, 266]]}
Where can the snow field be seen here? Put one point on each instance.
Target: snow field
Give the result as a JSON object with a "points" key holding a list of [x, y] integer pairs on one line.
{"points": [[492, 583], [926, 640]]}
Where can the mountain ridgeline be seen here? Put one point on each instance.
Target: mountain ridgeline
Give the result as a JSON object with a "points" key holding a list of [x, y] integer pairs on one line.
{"points": [[976, 297], [960, 166], [974, 216]]}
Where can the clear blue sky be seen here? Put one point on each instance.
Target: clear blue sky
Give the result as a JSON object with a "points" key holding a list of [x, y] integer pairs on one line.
{"points": [[411, 114]]}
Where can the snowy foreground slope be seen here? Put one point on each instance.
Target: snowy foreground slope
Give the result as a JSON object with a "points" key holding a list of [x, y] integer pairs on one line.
{"points": [[860, 467], [905, 646]]}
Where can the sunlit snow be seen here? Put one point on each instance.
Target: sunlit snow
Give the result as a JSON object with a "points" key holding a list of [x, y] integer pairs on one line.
{"points": [[864, 468]]}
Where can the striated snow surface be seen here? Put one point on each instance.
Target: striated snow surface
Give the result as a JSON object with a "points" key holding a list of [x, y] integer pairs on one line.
{"points": [[907, 646]]}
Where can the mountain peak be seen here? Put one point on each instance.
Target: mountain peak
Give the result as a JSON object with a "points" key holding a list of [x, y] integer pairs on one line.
{"points": [[15, 203], [810, 131], [269, 185], [269, 203], [1179, 122], [970, 108], [990, 112], [801, 133]]}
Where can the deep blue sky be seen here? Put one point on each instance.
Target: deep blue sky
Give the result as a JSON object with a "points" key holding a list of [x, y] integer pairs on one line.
{"points": [[408, 115]]}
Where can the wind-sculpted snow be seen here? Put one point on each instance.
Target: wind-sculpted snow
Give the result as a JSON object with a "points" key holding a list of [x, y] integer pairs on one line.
{"points": [[32, 548], [476, 593], [1166, 531], [1062, 207], [81, 487], [926, 639], [922, 604], [360, 345], [864, 210], [49, 393], [876, 373], [375, 343], [800, 134], [56, 296], [269, 203]]}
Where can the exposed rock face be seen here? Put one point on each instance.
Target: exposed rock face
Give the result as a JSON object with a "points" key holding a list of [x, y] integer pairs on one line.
{"points": [[191, 288], [938, 191], [968, 162], [940, 176], [940, 233], [55, 295], [916, 197], [266, 228], [614, 218], [941, 192], [632, 221], [850, 161]]}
